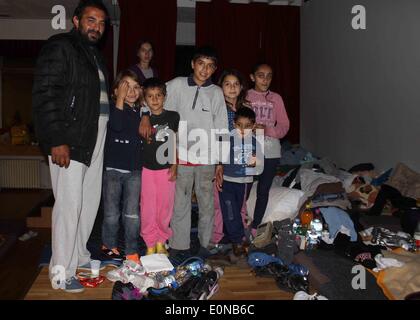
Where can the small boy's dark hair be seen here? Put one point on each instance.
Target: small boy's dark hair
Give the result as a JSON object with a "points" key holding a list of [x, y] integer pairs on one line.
{"points": [[121, 75], [152, 83], [83, 4], [245, 112], [205, 52]]}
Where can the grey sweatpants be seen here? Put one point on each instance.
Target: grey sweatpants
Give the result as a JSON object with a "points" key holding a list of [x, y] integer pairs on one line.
{"points": [[77, 193], [202, 176]]}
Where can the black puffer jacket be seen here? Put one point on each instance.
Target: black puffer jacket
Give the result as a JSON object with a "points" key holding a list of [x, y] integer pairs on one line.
{"points": [[66, 95]]}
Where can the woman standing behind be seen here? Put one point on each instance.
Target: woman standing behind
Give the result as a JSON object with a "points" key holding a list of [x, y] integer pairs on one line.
{"points": [[272, 117], [143, 68]]}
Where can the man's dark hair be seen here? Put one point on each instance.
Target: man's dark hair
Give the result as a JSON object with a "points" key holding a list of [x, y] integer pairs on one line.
{"points": [[245, 112], [152, 83], [205, 52], [83, 4]]}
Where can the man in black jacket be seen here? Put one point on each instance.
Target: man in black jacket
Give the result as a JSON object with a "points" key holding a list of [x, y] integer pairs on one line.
{"points": [[70, 112]]}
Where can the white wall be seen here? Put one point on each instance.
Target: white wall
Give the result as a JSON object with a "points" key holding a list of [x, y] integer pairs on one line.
{"points": [[360, 90], [26, 29]]}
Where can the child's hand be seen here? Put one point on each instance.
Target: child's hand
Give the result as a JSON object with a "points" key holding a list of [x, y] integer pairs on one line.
{"points": [[121, 93], [252, 161], [259, 126], [172, 172], [219, 177]]}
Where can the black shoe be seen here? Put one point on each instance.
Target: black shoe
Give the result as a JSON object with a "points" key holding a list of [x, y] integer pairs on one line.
{"points": [[293, 282], [205, 287], [239, 250], [109, 254]]}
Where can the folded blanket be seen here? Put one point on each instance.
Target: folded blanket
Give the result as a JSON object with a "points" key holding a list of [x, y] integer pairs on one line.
{"points": [[397, 283]]}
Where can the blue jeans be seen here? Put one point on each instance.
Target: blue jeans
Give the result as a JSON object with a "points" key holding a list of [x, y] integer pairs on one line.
{"points": [[121, 188], [265, 180], [231, 201]]}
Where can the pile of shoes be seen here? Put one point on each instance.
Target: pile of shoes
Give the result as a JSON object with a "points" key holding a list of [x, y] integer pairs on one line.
{"points": [[196, 287], [289, 277], [188, 281]]}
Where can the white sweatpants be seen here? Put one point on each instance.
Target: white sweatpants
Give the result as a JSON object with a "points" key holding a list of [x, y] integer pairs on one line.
{"points": [[77, 192]]}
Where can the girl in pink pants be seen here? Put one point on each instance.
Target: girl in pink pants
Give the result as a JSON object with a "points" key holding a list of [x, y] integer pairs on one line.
{"points": [[159, 169]]}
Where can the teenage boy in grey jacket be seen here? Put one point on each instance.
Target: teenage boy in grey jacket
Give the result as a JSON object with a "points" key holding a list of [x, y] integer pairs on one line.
{"points": [[202, 109]]}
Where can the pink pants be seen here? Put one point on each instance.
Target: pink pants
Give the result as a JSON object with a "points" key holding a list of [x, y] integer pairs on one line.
{"points": [[218, 218], [157, 204]]}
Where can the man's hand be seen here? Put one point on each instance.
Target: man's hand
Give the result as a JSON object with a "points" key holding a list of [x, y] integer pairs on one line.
{"points": [[60, 155], [219, 177], [172, 172], [145, 129]]}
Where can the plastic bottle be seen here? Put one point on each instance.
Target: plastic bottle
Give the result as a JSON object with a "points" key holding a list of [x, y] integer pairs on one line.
{"points": [[306, 216], [296, 224]]}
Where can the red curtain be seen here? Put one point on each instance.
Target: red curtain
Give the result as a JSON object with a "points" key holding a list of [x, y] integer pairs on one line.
{"points": [[154, 20], [245, 34]]}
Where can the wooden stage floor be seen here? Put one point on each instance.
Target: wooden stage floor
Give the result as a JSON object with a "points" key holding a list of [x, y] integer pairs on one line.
{"points": [[238, 283]]}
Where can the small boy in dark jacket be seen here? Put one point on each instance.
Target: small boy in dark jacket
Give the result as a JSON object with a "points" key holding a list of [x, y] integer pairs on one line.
{"points": [[243, 165]]}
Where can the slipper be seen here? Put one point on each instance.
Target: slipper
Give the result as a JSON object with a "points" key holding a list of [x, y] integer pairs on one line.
{"points": [[30, 234]]}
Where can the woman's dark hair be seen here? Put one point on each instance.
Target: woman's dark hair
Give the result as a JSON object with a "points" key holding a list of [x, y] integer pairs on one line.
{"points": [[125, 73], [259, 64], [142, 42], [83, 4], [152, 83], [245, 113], [242, 95]]}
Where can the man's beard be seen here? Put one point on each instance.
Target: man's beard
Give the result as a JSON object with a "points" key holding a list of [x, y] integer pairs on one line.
{"points": [[90, 41]]}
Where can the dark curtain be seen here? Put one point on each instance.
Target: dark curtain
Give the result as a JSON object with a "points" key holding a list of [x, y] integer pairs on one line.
{"points": [[246, 34], [154, 20]]}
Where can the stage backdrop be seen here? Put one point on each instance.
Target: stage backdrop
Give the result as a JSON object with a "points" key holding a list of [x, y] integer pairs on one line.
{"points": [[246, 34], [154, 20]]}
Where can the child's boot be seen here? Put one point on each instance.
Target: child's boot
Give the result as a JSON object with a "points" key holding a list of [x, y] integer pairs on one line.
{"points": [[150, 250], [160, 248]]}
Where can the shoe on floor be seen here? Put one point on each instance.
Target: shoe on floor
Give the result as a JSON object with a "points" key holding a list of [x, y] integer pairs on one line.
{"points": [[150, 250], [126, 273], [239, 249], [160, 248], [73, 285], [302, 295]]}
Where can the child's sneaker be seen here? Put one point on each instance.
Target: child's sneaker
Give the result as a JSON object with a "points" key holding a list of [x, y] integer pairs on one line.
{"points": [[160, 249], [126, 272], [150, 250], [302, 295], [73, 285], [125, 291]]}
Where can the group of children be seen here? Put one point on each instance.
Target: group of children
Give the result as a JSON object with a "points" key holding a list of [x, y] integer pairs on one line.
{"points": [[140, 187]]}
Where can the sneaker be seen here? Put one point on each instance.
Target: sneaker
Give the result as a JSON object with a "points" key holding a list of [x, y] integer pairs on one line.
{"points": [[73, 285], [150, 250], [160, 248], [126, 272], [126, 291], [302, 295], [239, 250]]}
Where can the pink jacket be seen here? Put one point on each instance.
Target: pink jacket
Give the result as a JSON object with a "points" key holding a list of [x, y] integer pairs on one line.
{"points": [[270, 111]]}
